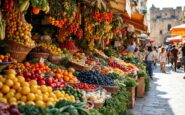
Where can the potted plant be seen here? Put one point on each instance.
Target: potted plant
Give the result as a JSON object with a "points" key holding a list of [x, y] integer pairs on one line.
{"points": [[131, 83], [141, 84]]}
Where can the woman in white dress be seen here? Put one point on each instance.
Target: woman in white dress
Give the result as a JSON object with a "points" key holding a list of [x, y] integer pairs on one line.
{"points": [[163, 60]]}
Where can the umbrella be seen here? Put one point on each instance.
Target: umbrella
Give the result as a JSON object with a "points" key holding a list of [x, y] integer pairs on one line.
{"points": [[175, 39], [178, 30]]}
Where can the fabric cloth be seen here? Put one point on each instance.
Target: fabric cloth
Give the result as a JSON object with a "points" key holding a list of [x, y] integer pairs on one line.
{"points": [[175, 53], [150, 56], [149, 68], [162, 57], [137, 54], [131, 48]]}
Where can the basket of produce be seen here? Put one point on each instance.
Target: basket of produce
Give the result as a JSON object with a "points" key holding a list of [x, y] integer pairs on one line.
{"points": [[33, 55], [3, 65], [19, 56], [13, 45], [111, 89], [98, 105], [79, 66], [56, 59]]}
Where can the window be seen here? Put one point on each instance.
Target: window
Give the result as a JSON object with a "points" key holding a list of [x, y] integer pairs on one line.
{"points": [[169, 27], [161, 32]]}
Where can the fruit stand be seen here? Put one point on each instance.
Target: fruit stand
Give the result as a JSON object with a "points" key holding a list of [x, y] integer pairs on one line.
{"points": [[60, 58]]}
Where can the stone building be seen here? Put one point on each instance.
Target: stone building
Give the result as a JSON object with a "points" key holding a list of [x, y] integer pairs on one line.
{"points": [[161, 21]]}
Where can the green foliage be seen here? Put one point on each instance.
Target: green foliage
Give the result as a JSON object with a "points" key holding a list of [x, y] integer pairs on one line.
{"points": [[141, 73], [147, 83], [117, 104], [94, 112], [130, 82]]}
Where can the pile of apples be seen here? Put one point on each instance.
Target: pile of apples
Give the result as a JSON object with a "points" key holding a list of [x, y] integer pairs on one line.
{"points": [[7, 58]]}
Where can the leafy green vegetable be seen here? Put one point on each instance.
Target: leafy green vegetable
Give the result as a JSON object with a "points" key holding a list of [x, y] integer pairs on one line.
{"points": [[130, 82], [117, 104]]}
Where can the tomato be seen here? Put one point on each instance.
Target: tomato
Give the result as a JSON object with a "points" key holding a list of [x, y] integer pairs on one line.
{"points": [[41, 82], [49, 80], [53, 85], [27, 79]]}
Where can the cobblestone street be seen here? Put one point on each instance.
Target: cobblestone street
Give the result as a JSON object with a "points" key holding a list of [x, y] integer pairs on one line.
{"points": [[166, 96]]}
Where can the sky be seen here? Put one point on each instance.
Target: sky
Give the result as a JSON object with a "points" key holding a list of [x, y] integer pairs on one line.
{"points": [[166, 3]]}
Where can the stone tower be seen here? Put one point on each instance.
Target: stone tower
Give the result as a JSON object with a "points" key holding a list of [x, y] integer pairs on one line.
{"points": [[161, 21]]}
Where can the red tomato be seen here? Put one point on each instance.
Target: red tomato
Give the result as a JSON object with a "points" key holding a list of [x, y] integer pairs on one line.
{"points": [[41, 82], [49, 80]]}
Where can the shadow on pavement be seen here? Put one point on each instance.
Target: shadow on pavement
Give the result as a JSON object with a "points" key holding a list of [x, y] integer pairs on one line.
{"points": [[154, 102]]}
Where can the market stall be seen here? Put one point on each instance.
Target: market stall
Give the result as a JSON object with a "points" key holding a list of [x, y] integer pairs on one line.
{"points": [[66, 57]]}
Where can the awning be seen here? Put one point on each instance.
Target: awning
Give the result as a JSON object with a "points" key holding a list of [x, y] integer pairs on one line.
{"points": [[118, 6], [175, 39], [178, 30], [137, 20]]}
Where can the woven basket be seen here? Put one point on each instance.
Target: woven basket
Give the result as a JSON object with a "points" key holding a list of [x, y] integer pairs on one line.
{"points": [[112, 89], [2, 67], [33, 55], [19, 56], [54, 59], [77, 66], [12, 45], [98, 105]]}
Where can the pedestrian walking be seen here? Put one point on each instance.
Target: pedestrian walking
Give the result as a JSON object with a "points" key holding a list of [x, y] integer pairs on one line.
{"points": [[155, 52], [183, 55], [163, 59], [149, 58], [174, 52]]}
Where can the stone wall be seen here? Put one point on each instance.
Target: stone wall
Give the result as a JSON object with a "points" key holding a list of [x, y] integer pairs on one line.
{"points": [[162, 20]]}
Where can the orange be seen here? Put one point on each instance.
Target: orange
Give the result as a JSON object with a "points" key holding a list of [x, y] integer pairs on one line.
{"points": [[5, 89], [66, 78]]}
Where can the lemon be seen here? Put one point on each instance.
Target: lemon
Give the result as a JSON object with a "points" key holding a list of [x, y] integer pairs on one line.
{"points": [[49, 103], [9, 95], [25, 90], [38, 97], [33, 82], [24, 98], [21, 79], [11, 71], [31, 97], [43, 88], [25, 84], [1, 84], [1, 95], [40, 103], [5, 89], [34, 89], [2, 80], [45, 97], [11, 76], [3, 100], [12, 100], [18, 96], [16, 85], [49, 89], [31, 102], [9, 82], [12, 90]]}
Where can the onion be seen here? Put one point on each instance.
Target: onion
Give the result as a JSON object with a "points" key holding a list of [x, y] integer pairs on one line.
{"points": [[3, 106]]}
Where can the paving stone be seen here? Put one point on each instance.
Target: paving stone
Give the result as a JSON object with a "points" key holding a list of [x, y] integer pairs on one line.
{"points": [[166, 96]]}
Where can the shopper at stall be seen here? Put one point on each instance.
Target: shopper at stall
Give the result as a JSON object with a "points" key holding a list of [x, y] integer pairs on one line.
{"points": [[149, 58], [174, 57], [163, 60], [131, 48], [183, 55], [137, 52]]}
